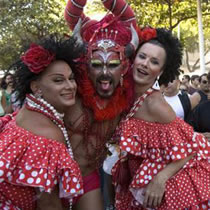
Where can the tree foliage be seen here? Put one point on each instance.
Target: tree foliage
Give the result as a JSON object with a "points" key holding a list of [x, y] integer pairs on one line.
{"points": [[24, 21]]}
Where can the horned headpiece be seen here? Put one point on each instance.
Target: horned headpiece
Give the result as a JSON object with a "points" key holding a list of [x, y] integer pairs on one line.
{"points": [[114, 32]]}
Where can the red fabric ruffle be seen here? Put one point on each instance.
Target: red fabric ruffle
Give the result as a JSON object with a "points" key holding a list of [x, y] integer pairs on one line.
{"points": [[30, 160]]}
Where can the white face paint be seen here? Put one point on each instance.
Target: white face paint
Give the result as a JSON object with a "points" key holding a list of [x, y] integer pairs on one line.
{"points": [[105, 71]]}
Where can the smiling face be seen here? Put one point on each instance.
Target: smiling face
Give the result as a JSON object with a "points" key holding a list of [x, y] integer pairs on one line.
{"points": [[57, 85], [148, 64], [105, 70]]}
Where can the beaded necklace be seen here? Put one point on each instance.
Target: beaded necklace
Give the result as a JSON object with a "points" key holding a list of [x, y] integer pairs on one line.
{"points": [[137, 104], [43, 107]]}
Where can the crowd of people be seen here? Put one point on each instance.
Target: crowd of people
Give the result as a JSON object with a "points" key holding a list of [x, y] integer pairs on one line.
{"points": [[109, 96]]}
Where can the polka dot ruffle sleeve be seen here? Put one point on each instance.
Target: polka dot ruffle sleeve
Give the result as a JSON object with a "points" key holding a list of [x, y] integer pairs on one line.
{"points": [[34, 161], [159, 144], [147, 148]]}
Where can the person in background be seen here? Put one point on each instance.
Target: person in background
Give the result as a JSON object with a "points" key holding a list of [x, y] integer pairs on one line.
{"points": [[201, 95], [194, 86], [178, 100], [183, 87], [7, 88], [200, 117], [163, 163], [37, 165], [186, 81]]}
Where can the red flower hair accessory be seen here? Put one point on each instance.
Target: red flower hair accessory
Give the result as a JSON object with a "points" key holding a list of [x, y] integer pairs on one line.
{"points": [[147, 33], [36, 58]]}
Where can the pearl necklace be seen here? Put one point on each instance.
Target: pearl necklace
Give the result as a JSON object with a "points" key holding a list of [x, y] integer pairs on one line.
{"points": [[43, 107]]}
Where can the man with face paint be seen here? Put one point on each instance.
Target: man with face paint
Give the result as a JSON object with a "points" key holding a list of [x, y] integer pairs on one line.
{"points": [[104, 88]]}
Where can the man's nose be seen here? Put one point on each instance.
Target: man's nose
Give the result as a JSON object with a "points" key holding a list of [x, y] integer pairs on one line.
{"points": [[105, 70]]}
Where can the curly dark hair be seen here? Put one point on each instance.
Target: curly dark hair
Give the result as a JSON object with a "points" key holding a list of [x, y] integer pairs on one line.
{"points": [[3, 81], [174, 54], [64, 49]]}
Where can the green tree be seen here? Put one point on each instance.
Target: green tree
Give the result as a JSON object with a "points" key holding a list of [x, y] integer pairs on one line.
{"points": [[24, 21]]}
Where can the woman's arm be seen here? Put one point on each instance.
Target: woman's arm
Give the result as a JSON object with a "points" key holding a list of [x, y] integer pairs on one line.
{"points": [[155, 189]]}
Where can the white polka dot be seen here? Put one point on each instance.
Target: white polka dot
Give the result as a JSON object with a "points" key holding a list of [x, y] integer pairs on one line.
{"points": [[78, 186], [182, 150], [175, 148], [145, 168], [178, 156], [128, 149], [125, 143], [153, 156], [146, 182], [155, 171], [22, 176], [48, 182], [73, 191], [41, 171], [128, 140], [34, 173], [74, 179], [28, 168], [142, 173], [150, 177], [141, 180], [66, 173], [1, 163], [30, 180], [195, 145], [38, 180], [1, 172], [189, 150], [45, 175]]}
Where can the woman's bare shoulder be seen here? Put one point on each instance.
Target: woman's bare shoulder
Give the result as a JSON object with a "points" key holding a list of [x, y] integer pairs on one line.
{"points": [[39, 124], [159, 109]]}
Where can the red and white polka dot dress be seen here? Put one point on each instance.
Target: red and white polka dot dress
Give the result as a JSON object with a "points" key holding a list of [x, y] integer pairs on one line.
{"points": [[155, 145], [28, 161]]}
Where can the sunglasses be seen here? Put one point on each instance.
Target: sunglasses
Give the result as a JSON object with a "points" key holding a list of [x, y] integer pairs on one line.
{"points": [[204, 81]]}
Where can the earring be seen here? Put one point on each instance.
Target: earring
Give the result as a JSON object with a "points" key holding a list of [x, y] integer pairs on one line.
{"points": [[156, 85], [38, 94], [121, 80]]}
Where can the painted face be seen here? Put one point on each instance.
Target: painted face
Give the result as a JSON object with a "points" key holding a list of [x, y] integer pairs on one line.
{"points": [[105, 69], [148, 64], [204, 85], [58, 85]]}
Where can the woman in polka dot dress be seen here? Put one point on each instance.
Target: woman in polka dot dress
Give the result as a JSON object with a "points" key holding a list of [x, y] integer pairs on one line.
{"points": [[163, 163], [36, 161]]}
